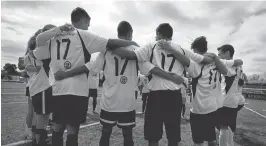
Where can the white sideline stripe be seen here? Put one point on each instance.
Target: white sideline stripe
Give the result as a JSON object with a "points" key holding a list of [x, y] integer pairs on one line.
{"points": [[28, 141], [255, 89], [13, 102], [255, 112], [14, 93]]}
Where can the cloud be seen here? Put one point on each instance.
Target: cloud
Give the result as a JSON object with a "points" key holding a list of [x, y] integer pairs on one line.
{"points": [[260, 59], [10, 46], [25, 4], [241, 24]]}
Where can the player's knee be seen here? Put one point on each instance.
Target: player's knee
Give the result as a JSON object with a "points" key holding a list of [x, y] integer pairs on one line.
{"points": [[212, 143], [224, 127], [59, 127], [72, 129], [107, 130], [127, 132]]}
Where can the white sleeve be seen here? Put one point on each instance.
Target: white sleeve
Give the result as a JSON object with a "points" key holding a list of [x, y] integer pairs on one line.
{"points": [[94, 43], [42, 52], [143, 53], [230, 72], [96, 64], [145, 67], [193, 56], [194, 69], [27, 61], [228, 63]]}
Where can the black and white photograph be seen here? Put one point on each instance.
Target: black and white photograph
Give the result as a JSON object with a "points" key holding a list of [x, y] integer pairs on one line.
{"points": [[133, 73]]}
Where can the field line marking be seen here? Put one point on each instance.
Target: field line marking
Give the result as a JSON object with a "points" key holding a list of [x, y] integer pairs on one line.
{"points": [[255, 112], [81, 127], [12, 102], [13, 93], [49, 135]]}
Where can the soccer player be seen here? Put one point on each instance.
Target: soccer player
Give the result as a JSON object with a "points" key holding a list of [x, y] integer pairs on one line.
{"points": [[71, 46], [30, 122], [164, 102], [144, 90], [206, 88], [118, 98], [93, 80], [184, 98], [230, 89], [41, 92], [243, 79]]}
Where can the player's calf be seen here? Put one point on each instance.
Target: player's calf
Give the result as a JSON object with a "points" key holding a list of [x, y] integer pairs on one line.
{"points": [[106, 133], [128, 137]]}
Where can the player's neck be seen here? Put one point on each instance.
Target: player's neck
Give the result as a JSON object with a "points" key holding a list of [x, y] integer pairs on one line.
{"points": [[123, 38], [78, 26]]}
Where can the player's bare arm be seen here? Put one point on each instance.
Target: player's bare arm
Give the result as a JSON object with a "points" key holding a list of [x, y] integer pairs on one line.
{"points": [[167, 75], [220, 66], [166, 45], [128, 54], [118, 43], [238, 62], [178, 55], [47, 35], [31, 68], [60, 75]]}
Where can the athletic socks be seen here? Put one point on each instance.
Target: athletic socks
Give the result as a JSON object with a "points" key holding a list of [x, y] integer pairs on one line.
{"points": [[72, 140], [105, 138], [94, 103], [223, 137], [33, 130], [57, 138], [128, 138], [231, 138], [42, 137]]}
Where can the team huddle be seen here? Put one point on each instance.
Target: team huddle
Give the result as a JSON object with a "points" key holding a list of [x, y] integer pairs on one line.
{"points": [[61, 71]]}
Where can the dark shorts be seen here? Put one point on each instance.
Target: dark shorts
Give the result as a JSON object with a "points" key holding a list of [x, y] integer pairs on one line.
{"points": [[121, 119], [144, 96], [27, 91], [42, 102], [203, 127], [163, 108], [227, 117], [70, 109], [93, 93]]}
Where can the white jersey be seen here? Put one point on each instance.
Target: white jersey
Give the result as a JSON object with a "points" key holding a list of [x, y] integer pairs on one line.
{"points": [[66, 54], [121, 77], [231, 88], [166, 61], [206, 87], [143, 80], [39, 81], [93, 80]]}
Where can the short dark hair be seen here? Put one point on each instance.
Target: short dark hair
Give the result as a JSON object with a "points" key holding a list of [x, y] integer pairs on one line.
{"points": [[200, 44], [166, 30], [79, 13], [48, 27], [32, 40], [124, 28], [227, 47]]}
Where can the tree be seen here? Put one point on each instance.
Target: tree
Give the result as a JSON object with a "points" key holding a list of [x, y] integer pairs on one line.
{"points": [[11, 69]]}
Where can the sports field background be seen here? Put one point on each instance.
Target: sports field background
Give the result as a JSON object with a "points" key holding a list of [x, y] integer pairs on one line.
{"points": [[251, 127]]}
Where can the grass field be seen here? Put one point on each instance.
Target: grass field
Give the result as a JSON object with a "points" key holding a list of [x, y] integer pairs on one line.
{"points": [[251, 128]]}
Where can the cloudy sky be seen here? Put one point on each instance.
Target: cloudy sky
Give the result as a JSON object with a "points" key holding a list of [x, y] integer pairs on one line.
{"points": [[242, 24]]}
